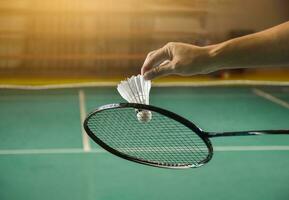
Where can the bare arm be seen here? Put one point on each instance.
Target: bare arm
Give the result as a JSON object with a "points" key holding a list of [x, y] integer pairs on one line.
{"points": [[265, 48]]}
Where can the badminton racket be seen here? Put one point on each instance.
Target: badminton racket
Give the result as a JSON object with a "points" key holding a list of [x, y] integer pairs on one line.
{"points": [[167, 140]]}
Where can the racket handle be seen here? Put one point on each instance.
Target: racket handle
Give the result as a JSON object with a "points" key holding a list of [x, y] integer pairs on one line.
{"points": [[248, 133]]}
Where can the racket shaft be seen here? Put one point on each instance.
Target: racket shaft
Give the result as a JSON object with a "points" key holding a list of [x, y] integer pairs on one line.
{"points": [[248, 133]]}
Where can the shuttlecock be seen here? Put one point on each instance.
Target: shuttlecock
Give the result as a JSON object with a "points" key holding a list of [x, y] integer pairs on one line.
{"points": [[136, 90]]}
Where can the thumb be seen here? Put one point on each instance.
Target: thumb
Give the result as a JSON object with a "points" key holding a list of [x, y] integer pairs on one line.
{"points": [[162, 70]]}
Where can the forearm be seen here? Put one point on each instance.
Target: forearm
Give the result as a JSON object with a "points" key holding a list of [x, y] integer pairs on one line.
{"points": [[266, 48]]}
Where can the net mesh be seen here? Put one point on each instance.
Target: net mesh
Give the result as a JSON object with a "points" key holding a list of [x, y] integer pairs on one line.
{"points": [[162, 141]]}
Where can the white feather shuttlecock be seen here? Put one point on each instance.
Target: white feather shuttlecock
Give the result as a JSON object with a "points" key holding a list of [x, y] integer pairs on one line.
{"points": [[136, 90]]}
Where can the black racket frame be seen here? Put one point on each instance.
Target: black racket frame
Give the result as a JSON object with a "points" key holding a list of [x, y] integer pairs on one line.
{"points": [[164, 112]]}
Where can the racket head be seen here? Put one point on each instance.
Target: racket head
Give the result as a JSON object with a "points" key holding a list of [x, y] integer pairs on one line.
{"points": [[123, 115]]}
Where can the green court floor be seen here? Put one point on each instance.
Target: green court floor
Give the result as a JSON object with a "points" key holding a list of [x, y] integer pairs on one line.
{"points": [[44, 154]]}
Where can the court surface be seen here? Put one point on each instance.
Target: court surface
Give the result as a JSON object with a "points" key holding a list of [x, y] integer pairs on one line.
{"points": [[44, 153]]}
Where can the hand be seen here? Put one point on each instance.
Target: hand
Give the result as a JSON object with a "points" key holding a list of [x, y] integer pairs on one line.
{"points": [[177, 58]]}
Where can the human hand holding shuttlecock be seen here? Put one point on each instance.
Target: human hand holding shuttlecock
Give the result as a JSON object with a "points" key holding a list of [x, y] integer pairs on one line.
{"points": [[136, 90]]}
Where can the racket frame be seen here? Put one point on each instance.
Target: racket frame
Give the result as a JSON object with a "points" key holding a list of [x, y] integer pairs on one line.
{"points": [[164, 112]]}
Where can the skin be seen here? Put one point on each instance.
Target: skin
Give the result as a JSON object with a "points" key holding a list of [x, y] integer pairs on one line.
{"points": [[266, 48]]}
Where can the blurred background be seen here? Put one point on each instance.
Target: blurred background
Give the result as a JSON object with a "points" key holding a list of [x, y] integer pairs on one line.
{"points": [[108, 39]]}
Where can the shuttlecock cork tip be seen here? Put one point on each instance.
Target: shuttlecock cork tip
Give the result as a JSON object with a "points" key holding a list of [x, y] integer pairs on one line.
{"points": [[144, 116]]}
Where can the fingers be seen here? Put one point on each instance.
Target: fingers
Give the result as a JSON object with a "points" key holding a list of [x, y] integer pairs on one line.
{"points": [[154, 58], [164, 69]]}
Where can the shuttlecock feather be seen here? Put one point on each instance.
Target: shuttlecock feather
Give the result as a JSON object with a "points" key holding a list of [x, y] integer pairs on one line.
{"points": [[136, 90]]}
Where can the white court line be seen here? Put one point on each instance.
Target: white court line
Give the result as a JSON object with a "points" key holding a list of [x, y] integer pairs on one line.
{"points": [[85, 139], [271, 98], [79, 151], [45, 151], [251, 148]]}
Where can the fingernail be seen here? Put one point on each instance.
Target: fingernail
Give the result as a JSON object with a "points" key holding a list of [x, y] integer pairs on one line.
{"points": [[146, 76]]}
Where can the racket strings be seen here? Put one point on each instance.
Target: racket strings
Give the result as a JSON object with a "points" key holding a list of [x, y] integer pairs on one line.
{"points": [[138, 152], [148, 149], [162, 140]]}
